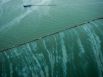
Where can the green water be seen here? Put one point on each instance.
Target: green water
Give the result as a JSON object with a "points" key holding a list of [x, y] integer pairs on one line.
{"points": [[75, 52], [19, 25]]}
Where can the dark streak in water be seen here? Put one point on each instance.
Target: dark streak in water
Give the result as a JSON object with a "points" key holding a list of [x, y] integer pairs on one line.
{"points": [[26, 6]]}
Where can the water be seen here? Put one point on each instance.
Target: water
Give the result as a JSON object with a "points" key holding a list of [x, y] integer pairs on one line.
{"points": [[37, 21], [72, 53]]}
